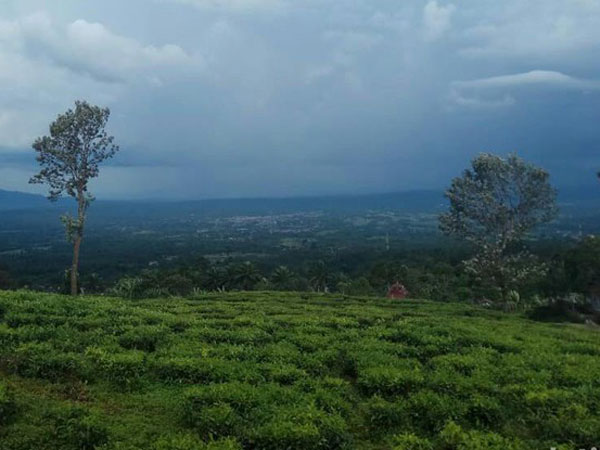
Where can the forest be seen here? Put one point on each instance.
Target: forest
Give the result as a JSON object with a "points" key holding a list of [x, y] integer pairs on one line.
{"points": [[354, 246]]}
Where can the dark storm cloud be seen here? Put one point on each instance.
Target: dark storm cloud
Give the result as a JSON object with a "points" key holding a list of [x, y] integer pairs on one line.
{"points": [[280, 97]]}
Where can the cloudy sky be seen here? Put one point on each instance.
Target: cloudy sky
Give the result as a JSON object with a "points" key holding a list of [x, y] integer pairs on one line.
{"points": [[230, 98]]}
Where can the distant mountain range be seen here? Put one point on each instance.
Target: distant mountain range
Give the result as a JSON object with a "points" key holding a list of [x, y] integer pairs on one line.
{"points": [[409, 201], [10, 200]]}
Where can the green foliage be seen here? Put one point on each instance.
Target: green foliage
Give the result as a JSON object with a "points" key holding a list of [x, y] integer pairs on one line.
{"points": [[78, 429], [453, 437], [409, 441], [7, 404], [302, 427], [571, 307], [67, 168], [389, 381], [123, 370], [145, 338], [245, 275], [268, 416], [493, 206], [498, 201], [129, 288], [6, 281], [40, 360], [191, 442], [386, 415], [284, 279], [277, 370], [320, 276]]}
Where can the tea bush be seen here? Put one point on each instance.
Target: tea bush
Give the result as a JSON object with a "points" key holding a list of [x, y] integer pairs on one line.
{"points": [[7, 404], [78, 429], [191, 442], [252, 371]]}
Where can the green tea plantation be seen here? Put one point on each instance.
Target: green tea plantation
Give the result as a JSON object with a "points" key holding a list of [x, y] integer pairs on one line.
{"points": [[290, 371]]}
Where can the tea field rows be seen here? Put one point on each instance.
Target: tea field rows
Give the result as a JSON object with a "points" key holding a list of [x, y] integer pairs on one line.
{"points": [[290, 371]]}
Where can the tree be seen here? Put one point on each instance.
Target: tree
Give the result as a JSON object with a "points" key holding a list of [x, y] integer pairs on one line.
{"points": [[70, 157], [494, 205], [320, 276], [6, 281], [215, 279], [283, 278], [246, 275], [582, 267]]}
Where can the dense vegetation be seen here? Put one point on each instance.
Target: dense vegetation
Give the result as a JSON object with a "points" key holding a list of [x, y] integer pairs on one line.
{"points": [[281, 370], [147, 250]]}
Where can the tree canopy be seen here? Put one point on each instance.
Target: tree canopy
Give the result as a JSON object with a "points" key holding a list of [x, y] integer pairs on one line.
{"points": [[494, 205], [498, 201]]}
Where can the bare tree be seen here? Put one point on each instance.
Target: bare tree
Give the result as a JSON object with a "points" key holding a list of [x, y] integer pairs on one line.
{"points": [[70, 157]]}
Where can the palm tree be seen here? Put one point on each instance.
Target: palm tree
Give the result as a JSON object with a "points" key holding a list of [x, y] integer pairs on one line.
{"points": [[215, 279], [283, 277], [246, 275], [320, 276]]}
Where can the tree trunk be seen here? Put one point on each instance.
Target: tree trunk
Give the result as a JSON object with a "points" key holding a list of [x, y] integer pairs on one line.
{"points": [[81, 206], [75, 266]]}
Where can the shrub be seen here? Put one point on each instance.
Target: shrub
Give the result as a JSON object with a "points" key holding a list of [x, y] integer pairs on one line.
{"points": [[129, 288], [573, 423], [8, 337], [409, 441], [215, 420], [453, 437], [220, 409], [7, 404], [429, 411], [123, 370], [35, 360], [298, 428], [569, 308], [333, 395], [180, 370], [145, 338], [383, 415], [345, 363], [77, 428], [483, 411], [282, 373], [389, 381], [290, 435], [190, 442], [266, 417], [203, 370]]}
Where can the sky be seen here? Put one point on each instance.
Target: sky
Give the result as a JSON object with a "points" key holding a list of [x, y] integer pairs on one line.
{"points": [[262, 98]]}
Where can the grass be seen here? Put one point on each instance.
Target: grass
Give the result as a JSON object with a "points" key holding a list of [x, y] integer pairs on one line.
{"points": [[290, 371]]}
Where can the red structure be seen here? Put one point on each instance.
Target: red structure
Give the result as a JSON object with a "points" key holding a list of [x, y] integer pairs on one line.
{"points": [[397, 291]]}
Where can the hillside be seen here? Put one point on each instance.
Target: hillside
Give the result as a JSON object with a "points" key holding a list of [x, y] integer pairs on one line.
{"points": [[11, 200], [284, 371], [408, 201]]}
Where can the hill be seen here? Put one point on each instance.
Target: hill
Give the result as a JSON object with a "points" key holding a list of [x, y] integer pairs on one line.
{"points": [[412, 201], [406, 201], [284, 371], [11, 200]]}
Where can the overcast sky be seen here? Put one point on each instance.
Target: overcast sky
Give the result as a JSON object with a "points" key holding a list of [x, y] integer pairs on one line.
{"points": [[238, 98]]}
